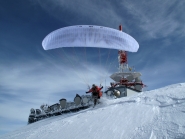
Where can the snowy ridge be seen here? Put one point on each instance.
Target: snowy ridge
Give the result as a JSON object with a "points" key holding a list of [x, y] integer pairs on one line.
{"points": [[153, 114]]}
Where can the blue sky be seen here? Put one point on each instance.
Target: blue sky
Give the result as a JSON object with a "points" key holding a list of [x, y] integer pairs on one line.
{"points": [[31, 76]]}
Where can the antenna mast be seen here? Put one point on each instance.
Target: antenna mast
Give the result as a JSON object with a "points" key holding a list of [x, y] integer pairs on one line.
{"points": [[122, 58]]}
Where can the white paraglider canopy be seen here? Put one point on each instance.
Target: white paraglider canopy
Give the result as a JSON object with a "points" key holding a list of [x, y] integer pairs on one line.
{"points": [[90, 36]]}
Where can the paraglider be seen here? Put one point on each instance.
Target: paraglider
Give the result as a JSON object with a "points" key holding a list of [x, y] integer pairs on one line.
{"points": [[98, 37], [126, 82], [90, 36]]}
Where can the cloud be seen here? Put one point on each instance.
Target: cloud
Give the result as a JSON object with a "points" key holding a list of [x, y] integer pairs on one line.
{"points": [[155, 19], [158, 18], [84, 12], [28, 85], [162, 74], [44, 77], [7, 123]]}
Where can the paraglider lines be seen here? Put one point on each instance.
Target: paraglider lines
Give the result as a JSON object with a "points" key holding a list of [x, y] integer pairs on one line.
{"points": [[74, 68]]}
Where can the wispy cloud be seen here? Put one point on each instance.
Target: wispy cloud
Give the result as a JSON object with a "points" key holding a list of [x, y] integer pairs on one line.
{"points": [[44, 77], [84, 12], [162, 74], [154, 18], [27, 85], [158, 18]]}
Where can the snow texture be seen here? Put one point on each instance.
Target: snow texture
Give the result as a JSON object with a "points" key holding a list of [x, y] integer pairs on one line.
{"points": [[157, 114]]}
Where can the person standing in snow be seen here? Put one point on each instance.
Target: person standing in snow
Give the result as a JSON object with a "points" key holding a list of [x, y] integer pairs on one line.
{"points": [[96, 92]]}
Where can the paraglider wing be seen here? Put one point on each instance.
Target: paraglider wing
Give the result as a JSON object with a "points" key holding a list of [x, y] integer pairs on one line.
{"points": [[90, 36]]}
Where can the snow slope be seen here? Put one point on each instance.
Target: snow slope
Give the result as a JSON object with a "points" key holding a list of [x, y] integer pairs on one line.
{"points": [[154, 114]]}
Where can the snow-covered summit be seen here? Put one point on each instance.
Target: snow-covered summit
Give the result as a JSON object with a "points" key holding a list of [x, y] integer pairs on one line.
{"points": [[153, 114]]}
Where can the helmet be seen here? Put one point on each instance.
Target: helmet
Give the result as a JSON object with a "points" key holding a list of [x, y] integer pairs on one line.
{"points": [[93, 85]]}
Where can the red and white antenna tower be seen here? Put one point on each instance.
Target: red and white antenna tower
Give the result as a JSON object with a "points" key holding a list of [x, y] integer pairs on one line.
{"points": [[122, 58]]}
